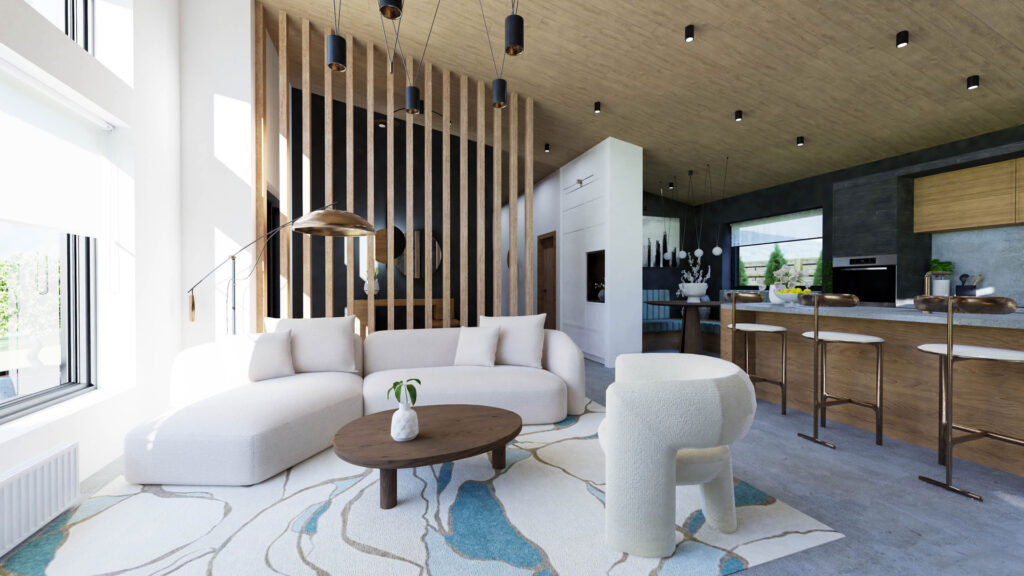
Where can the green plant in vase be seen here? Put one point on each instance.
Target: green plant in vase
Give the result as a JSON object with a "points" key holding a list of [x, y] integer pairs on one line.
{"points": [[405, 424]]}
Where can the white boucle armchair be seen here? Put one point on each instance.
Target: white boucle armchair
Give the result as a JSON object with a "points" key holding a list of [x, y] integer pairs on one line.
{"points": [[671, 419]]}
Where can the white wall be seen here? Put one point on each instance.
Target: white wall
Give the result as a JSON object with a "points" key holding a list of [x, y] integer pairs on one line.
{"points": [[130, 205], [605, 214], [545, 219], [216, 159]]}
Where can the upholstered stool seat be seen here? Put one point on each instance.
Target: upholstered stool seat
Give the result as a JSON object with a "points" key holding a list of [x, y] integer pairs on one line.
{"points": [[975, 352], [748, 327], [848, 337], [671, 419]]}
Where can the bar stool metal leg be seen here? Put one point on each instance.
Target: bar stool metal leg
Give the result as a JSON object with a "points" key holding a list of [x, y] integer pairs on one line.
{"points": [[817, 401], [949, 441], [878, 395], [942, 411], [784, 359], [824, 380]]}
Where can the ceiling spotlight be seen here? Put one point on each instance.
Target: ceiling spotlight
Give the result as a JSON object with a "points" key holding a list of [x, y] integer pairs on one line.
{"points": [[390, 9], [689, 32], [382, 123], [902, 38], [597, 107], [973, 82], [739, 115], [799, 140], [547, 148]]}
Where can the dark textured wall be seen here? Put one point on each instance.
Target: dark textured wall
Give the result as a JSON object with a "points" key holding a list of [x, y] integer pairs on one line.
{"points": [[380, 205], [655, 205]]}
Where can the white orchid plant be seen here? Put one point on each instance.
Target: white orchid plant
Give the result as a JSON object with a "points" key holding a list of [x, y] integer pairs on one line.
{"points": [[788, 277], [694, 272]]}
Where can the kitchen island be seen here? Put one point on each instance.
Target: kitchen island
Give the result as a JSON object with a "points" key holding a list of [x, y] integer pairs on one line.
{"points": [[987, 395]]}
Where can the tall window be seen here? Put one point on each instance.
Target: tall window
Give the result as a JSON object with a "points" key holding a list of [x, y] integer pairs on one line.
{"points": [[74, 17], [47, 321], [762, 246]]}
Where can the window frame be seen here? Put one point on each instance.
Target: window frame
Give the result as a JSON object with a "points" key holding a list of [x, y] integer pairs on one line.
{"points": [[78, 330], [735, 250]]}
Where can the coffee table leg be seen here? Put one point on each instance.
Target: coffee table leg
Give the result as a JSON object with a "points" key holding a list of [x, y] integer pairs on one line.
{"points": [[388, 488], [498, 458]]}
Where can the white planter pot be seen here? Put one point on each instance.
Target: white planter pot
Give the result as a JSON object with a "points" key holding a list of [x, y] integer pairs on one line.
{"points": [[940, 286], [693, 291], [405, 425], [366, 287]]}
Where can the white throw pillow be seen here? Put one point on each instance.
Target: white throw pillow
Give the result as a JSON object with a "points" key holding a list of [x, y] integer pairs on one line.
{"points": [[477, 346], [322, 344], [521, 339], [271, 356]]}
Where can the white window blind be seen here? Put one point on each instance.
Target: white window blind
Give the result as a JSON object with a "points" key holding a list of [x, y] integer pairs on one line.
{"points": [[775, 229]]}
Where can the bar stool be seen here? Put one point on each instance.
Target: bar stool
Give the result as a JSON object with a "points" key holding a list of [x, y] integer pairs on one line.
{"points": [[950, 353], [822, 399], [746, 329]]}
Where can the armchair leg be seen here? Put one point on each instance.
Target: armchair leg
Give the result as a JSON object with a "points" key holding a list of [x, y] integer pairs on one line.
{"points": [[719, 500]]}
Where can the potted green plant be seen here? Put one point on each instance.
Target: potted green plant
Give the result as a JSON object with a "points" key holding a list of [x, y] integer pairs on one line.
{"points": [[405, 425], [941, 270]]}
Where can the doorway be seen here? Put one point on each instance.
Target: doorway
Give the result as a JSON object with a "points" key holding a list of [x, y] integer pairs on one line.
{"points": [[547, 279]]}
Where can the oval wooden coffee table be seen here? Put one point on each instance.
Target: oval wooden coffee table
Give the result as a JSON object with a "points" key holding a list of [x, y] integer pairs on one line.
{"points": [[447, 432]]}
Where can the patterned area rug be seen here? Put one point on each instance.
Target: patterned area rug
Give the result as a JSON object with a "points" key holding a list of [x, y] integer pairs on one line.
{"points": [[543, 515]]}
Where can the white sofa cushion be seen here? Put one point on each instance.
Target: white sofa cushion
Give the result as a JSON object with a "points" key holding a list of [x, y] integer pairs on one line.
{"points": [[273, 425], [477, 346], [390, 349], [521, 339], [271, 356], [538, 396], [321, 344]]}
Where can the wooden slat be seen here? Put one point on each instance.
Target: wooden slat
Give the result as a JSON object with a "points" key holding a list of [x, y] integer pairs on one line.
{"points": [[464, 200], [371, 126], [428, 194], [410, 208], [328, 181], [391, 197], [496, 217], [528, 240], [284, 162], [513, 205], [259, 178], [350, 176], [307, 176], [481, 200], [446, 197]]}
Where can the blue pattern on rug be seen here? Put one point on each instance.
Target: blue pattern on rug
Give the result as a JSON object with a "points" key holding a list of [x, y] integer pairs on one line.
{"points": [[695, 522], [747, 495], [569, 421], [692, 558], [445, 476], [732, 565], [35, 555], [480, 529], [597, 493], [94, 506], [306, 522], [443, 561], [513, 455]]}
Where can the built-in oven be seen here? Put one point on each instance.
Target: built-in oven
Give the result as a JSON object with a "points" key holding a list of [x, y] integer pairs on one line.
{"points": [[871, 278]]}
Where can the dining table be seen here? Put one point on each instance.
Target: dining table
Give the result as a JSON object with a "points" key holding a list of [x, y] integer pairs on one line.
{"points": [[690, 340]]}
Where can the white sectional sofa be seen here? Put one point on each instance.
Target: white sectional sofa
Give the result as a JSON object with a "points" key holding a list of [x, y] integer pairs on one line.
{"points": [[224, 429]]}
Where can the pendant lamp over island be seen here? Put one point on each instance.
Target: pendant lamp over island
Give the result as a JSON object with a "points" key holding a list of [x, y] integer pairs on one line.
{"points": [[336, 46], [390, 9], [514, 45], [514, 32]]}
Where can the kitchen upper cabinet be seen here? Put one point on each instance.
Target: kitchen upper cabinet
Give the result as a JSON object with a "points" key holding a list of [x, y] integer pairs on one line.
{"points": [[979, 197]]}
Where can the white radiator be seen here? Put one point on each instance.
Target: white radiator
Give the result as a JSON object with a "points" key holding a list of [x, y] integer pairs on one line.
{"points": [[33, 495]]}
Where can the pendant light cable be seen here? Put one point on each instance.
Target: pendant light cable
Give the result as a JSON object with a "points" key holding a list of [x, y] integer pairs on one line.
{"points": [[725, 174], [487, 32]]}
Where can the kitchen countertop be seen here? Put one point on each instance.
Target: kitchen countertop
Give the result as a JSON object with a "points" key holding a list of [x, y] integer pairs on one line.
{"points": [[1013, 321]]}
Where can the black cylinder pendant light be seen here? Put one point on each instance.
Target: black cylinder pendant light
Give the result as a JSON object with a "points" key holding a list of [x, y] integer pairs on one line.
{"points": [[390, 9], [499, 93], [514, 35], [336, 53], [412, 100]]}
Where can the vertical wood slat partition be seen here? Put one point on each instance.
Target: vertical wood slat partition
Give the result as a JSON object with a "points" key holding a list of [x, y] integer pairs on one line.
{"points": [[328, 180], [464, 200], [307, 176], [259, 177], [446, 197], [528, 239], [481, 197], [428, 195], [453, 306], [284, 162], [390, 222], [496, 218], [371, 253], [410, 206], [513, 205], [350, 177]]}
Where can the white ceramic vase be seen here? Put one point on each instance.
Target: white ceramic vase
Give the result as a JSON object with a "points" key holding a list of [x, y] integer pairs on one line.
{"points": [[366, 286], [405, 425], [693, 291], [940, 286]]}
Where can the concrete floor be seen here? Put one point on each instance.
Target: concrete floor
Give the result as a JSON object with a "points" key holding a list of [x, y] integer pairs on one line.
{"points": [[894, 523]]}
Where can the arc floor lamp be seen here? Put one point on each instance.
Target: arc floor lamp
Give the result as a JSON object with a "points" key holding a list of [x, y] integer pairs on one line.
{"points": [[325, 221]]}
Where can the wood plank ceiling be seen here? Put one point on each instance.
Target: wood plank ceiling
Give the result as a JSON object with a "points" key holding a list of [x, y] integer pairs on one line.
{"points": [[828, 71]]}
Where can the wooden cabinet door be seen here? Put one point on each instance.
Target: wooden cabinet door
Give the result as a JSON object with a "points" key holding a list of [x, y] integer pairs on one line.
{"points": [[970, 198], [1020, 190]]}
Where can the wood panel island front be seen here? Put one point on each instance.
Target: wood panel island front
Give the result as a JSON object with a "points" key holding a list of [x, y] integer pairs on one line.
{"points": [[987, 395]]}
